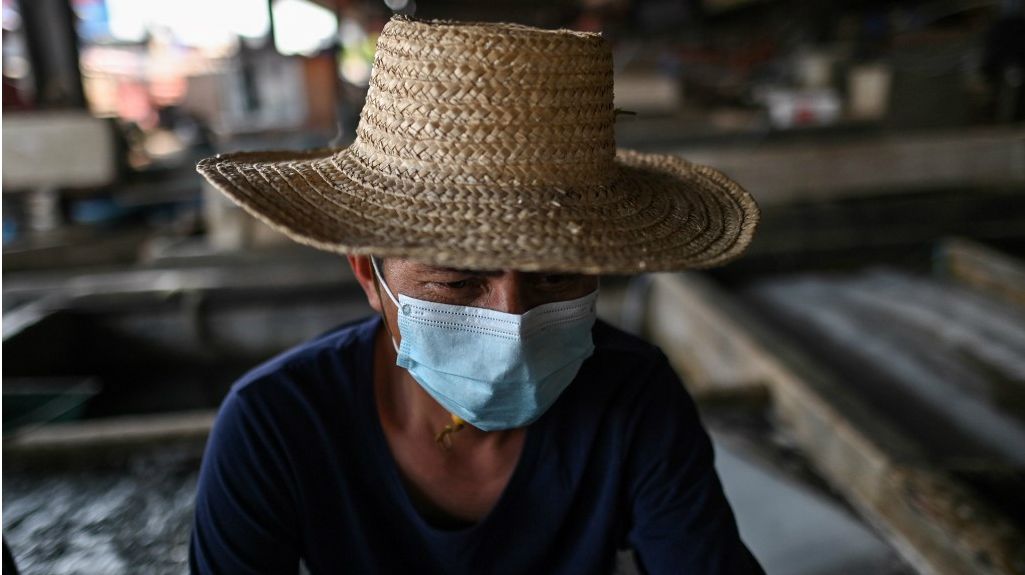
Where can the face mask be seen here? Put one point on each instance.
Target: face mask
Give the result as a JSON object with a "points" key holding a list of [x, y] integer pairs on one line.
{"points": [[493, 369]]}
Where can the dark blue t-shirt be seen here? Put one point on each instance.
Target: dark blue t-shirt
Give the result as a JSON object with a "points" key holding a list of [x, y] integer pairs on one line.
{"points": [[297, 466]]}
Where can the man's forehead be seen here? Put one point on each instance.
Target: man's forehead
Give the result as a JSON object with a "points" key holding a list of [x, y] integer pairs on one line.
{"points": [[447, 269], [412, 266], [418, 267]]}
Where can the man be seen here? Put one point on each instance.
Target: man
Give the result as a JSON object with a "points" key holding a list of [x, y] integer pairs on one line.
{"points": [[483, 420]]}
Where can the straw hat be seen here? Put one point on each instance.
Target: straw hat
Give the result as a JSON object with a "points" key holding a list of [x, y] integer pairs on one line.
{"points": [[491, 146]]}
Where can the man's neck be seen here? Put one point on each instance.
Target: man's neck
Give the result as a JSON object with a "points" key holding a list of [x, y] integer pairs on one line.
{"points": [[409, 409], [450, 487]]}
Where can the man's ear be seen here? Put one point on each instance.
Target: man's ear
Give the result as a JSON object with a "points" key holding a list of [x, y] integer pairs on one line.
{"points": [[364, 272]]}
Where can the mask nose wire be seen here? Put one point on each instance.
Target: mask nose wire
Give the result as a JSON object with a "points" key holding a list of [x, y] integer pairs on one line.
{"points": [[379, 283]]}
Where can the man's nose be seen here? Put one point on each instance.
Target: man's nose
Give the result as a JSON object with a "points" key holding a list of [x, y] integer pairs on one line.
{"points": [[508, 293]]}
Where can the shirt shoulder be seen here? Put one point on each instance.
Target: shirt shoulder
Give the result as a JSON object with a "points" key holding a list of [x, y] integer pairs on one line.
{"points": [[624, 378], [273, 428], [609, 339], [621, 358], [331, 357]]}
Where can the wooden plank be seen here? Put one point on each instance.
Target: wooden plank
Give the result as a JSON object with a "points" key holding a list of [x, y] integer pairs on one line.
{"points": [[715, 367], [106, 440], [938, 524], [944, 364], [66, 148], [870, 166], [982, 268]]}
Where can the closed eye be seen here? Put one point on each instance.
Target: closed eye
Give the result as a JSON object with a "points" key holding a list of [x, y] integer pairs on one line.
{"points": [[558, 280], [456, 285]]}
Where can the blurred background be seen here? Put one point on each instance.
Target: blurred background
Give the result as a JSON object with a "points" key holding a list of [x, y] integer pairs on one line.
{"points": [[861, 369]]}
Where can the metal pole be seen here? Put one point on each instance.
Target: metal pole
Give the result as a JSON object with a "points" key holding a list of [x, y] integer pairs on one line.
{"points": [[53, 51]]}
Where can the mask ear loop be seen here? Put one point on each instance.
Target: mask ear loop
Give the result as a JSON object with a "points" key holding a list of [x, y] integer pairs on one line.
{"points": [[444, 437], [378, 282]]}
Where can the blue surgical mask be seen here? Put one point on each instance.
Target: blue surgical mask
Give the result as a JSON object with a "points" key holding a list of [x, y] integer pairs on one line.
{"points": [[494, 370]]}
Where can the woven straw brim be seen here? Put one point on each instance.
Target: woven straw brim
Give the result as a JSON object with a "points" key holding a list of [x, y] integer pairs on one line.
{"points": [[658, 213]]}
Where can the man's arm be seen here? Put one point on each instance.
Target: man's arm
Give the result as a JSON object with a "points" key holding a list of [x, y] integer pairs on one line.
{"points": [[244, 515], [682, 522]]}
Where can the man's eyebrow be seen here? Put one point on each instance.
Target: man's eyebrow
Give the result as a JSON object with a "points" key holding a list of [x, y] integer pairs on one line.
{"points": [[465, 271]]}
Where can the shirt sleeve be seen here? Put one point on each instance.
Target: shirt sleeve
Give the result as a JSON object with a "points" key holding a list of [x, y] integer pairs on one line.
{"points": [[244, 518], [681, 520]]}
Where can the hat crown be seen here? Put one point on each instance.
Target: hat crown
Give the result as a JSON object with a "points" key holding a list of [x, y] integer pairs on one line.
{"points": [[488, 104]]}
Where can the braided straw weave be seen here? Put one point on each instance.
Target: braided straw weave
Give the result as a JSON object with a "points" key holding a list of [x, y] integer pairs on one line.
{"points": [[491, 146]]}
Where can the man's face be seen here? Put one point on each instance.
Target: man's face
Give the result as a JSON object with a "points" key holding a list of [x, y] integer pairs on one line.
{"points": [[508, 291]]}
